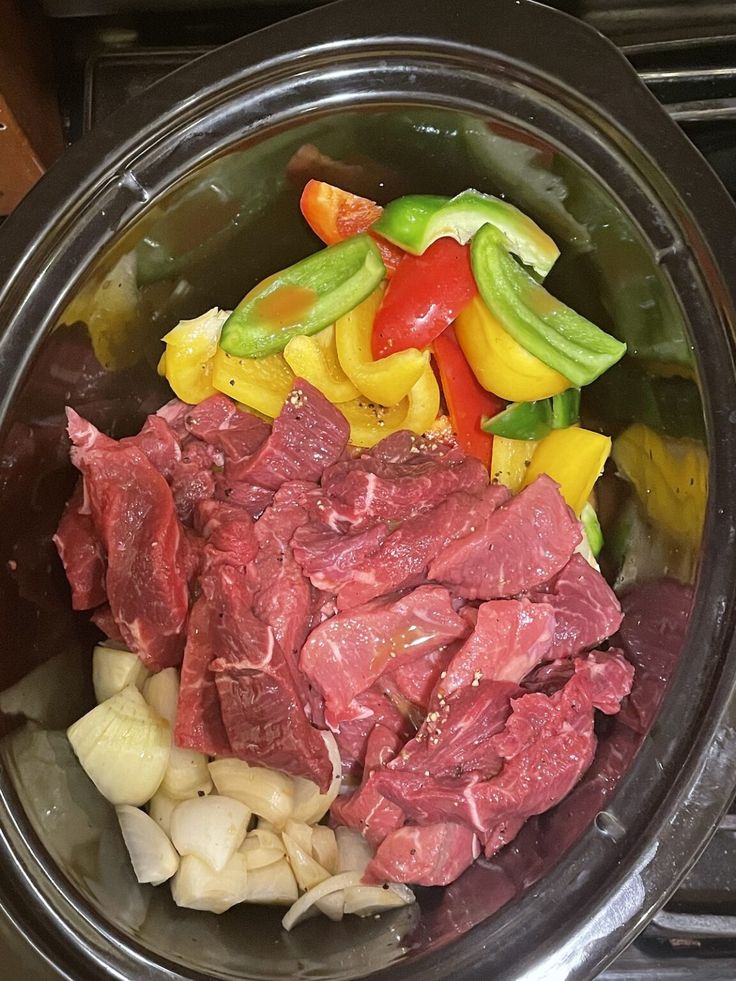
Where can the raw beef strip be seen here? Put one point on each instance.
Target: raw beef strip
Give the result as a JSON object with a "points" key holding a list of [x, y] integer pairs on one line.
{"points": [[502, 833], [103, 619], [609, 676], [250, 497], [283, 598], [133, 513], [366, 810], [415, 680], [586, 608], [199, 724], [331, 558], [343, 656], [228, 539], [549, 676], [261, 707], [546, 745], [192, 478], [455, 737], [229, 533], [309, 435], [406, 447], [552, 742], [81, 552], [510, 638], [518, 547], [192, 558], [429, 856], [220, 423], [173, 413], [158, 441], [403, 558], [375, 708], [395, 486]]}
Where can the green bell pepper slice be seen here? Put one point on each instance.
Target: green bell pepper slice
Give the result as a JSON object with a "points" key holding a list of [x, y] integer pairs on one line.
{"points": [[544, 326], [565, 408], [521, 420], [534, 420], [592, 527], [304, 298], [416, 221]]}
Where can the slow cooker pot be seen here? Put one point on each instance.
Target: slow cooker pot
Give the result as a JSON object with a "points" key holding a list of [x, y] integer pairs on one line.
{"points": [[183, 200]]}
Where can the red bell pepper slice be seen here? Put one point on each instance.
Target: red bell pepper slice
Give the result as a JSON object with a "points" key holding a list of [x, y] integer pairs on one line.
{"points": [[334, 215], [467, 401], [426, 294]]}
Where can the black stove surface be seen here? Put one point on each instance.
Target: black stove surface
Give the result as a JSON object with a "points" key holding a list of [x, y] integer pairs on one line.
{"points": [[694, 936]]}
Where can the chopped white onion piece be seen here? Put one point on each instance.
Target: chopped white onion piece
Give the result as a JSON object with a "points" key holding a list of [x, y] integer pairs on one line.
{"points": [[160, 808], [353, 851], [267, 793], [369, 900], [324, 848], [114, 669], [197, 886], [264, 825], [273, 885], [308, 872], [152, 854], [161, 691], [333, 906], [300, 833], [262, 848], [123, 746], [212, 828], [186, 775], [310, 806], [301, 908]]}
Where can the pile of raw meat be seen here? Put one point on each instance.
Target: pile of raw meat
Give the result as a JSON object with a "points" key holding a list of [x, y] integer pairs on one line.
{"points": [[438, 626]]}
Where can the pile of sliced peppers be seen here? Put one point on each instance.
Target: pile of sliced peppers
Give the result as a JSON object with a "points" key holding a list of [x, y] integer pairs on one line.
{"points": [[428, 283]]}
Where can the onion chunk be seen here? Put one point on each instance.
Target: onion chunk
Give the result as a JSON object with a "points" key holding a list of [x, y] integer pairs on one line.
{"points": [[114, 669], [267, 793], [123, 747], [152, 854], [211, 828], [274, 885], [197, 886]]}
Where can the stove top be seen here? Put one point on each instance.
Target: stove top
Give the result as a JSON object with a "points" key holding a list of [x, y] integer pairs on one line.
{"points": [[694, 936]]}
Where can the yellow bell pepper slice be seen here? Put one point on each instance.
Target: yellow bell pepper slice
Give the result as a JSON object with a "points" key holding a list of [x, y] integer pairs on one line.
{"points": [[500, 364], [190, 349], [260, 383], [670, 477], [510, 459], [315, 359], [370, 422], [388, 380], [573, 457]]}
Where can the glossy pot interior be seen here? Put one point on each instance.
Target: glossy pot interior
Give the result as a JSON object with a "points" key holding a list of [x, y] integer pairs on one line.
{"points": [[185, 201]]}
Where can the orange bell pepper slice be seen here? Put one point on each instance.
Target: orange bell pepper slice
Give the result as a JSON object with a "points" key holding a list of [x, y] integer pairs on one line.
{"points": [[334, 215]]}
